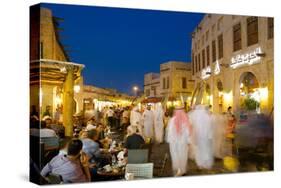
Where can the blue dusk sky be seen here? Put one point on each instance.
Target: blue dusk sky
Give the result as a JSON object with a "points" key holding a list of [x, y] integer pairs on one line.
{"points": [[118, 46]]}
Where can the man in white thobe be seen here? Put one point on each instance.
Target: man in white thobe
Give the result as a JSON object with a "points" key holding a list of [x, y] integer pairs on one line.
{"points": [[148, 120], [178, 132], [202, 136], [159, 123], [136, 119]]}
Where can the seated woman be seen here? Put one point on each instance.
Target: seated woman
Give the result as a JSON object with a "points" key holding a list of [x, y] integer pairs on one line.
{"points": [[133, 139]]}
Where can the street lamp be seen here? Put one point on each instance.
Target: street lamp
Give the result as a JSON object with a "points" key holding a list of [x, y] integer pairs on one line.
{"points": [[135, 88]]}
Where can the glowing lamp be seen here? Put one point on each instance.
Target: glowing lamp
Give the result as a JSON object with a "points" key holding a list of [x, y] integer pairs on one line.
{"points": [[76, 88]]}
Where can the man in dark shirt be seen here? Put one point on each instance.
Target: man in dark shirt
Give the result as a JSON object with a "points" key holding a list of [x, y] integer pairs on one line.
{"points": [[133, 140]]}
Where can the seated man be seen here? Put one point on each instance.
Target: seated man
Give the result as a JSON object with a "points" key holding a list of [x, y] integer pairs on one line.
{"points": [[91, 147], [91, 124], [133, 140], [46, 131], [73, 167], [57, 127]]}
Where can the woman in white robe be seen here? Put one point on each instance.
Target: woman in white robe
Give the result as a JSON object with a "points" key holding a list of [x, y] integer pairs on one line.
{"points": [[178, 132], [202, 136], [159, 123]]}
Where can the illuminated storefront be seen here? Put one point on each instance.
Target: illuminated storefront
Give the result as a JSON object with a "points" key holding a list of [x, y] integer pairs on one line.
{"points": [[238, 69]]}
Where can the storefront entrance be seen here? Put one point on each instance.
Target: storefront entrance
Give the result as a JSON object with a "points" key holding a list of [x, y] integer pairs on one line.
{"points": [[249, 92]]}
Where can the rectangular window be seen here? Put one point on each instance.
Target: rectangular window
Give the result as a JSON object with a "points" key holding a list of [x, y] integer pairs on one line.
{"points": [[208, 55], [219, 25], [220, 46], [214, 56], [153, 88], [237, 41], [213, 29], [199, 62], [192, 63], [270, 28], [164, 83], [168, 82], [203, 59], [196, 64], [252, 30], [147, 92], [184, 82]]}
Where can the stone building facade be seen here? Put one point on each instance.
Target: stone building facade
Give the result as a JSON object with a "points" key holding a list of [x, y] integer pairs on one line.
{"points": [[52, 76], [152, 85], [173, 83], [176, 79], [234, 57]]}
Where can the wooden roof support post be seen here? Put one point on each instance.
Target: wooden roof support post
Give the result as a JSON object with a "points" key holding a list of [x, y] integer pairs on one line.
{"points": [[68, 95]]}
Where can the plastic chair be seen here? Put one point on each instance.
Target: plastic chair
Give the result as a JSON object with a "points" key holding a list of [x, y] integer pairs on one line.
{"points": [[140, 171], [136, 156], [50, 142]]}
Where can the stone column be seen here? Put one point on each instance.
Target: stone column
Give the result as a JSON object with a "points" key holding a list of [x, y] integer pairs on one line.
{"points": [[68, 95]]}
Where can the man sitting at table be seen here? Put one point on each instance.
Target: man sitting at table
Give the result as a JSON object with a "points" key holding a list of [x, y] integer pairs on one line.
{"points": [[133, 140], [73, 167], [46, 131], [92, 149], [91, 124]]}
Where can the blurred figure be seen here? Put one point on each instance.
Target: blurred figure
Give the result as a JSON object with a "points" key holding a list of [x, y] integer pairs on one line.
{"points": [[125, 118], [46, 131], [91, 124], [148, 120], [136, 119], [47, 111], [110, 117], [159, 123], [34, 112], [202, 136], [58, 115], [178, 132], [219, 126]]}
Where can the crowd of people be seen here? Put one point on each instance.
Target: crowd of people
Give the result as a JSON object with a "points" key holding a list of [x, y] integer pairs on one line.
{"points": [[197, 134]]}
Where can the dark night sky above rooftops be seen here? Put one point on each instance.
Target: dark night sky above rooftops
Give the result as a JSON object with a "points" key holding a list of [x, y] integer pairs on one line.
{"points": [[118, 46]]}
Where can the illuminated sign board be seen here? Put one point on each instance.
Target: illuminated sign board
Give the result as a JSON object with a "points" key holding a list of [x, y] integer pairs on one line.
{"points": [[246, 59], [206, 72]]}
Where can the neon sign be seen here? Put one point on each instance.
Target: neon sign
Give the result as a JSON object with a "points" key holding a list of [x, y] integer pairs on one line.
{"points": [[246, 59]]}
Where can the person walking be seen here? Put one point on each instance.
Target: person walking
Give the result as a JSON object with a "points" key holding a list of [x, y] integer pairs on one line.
{"points": [[178, 137]]}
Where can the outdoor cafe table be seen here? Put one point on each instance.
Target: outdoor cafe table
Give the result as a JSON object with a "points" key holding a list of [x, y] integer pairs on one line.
{"points": [[112, 175]]}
